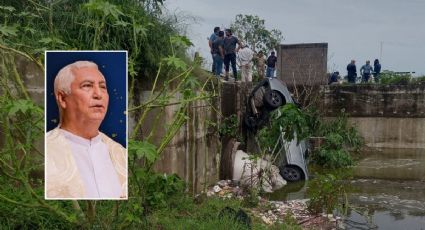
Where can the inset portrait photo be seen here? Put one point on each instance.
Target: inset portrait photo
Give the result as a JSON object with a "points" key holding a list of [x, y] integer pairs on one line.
{"points": [[86, 125]]}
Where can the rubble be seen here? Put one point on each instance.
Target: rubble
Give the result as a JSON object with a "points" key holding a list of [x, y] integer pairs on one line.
{"points": [[251, 172], [271, 212]]}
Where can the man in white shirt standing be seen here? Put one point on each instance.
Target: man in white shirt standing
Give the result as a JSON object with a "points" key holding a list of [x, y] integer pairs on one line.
{"points": [[81, 161], [245, 56]]}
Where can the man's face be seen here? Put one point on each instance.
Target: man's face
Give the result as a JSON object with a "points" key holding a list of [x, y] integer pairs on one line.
{"points": [[227, 33], [89, 96]]}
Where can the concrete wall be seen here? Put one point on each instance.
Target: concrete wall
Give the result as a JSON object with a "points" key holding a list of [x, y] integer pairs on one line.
{"points": [[386, 116], [31, 75], [233, 101], [193, 153], [302, 63]]}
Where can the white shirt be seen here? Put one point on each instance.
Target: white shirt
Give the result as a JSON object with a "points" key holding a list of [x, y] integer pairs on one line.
{"points": [[245, 56], [95, 166]]}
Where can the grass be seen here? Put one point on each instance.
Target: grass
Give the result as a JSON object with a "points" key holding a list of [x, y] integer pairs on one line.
{"points": [[185, 213]]}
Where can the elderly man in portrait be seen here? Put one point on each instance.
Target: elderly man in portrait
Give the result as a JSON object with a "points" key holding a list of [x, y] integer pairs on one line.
{"points": [[81, 161]]}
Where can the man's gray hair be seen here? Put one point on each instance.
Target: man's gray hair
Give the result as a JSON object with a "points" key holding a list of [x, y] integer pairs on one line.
{"points": [[64, 79], [65, 76]]}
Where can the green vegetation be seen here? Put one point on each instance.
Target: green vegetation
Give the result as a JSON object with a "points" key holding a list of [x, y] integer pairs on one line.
{"points": [[393, 78], [339, 137], [229, 126], [251, 29], [210, 214], [326, 193], [157, 62]]}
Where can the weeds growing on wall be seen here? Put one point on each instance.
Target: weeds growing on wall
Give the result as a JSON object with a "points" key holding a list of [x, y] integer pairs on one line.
{"points": [[156, 54], [392, 78]]}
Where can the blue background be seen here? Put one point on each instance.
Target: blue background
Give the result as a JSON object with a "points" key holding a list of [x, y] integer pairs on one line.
{"points": [[113, 65]]}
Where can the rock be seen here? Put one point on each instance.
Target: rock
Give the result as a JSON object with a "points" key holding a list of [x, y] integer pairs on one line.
{"points": [[340, 225], [221, 193], [276, 179], [210, 193], [222, 183], [216, 189], [266, 220]]}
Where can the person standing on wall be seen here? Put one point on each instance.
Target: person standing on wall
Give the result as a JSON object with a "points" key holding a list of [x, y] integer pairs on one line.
{"points": [[261, 64], [210, 42], [245, 56], [271, 65], [352, 72], [230, 50], [366, 71], [218, 53], [376, 70]]}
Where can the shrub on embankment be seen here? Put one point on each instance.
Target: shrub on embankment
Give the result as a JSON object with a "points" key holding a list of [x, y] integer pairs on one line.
{"points": [[338, 139]]}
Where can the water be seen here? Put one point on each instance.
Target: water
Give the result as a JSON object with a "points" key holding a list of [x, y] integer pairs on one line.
{"points": [[387, 190]]}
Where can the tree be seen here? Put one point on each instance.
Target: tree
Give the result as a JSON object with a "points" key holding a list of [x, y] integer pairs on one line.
{"points": [[251, 29]]}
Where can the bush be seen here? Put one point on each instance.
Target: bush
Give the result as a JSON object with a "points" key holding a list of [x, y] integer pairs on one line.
{"points": [[419, 80], [325, 193], [333, 158], [340, 138], [391, 78]]}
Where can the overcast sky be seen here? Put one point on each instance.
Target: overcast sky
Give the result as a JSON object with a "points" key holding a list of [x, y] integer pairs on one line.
{"points": [[354, 29]]}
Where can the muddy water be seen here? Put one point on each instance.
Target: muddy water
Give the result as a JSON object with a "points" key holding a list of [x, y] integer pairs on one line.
{"points": [[387, 190]]}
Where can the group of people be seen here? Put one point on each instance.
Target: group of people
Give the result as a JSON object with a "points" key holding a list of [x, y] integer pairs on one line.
{"points": [[227, 49], [366, 71]]}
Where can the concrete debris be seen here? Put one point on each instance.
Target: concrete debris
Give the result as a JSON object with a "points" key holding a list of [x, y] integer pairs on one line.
{"points": [[255, 173], [217, 189], [271, 212]]}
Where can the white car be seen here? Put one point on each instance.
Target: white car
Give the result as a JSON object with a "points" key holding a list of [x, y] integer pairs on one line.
{"points": [[266, 96]]}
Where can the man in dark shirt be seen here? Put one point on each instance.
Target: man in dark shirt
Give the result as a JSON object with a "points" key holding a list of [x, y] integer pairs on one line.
{"points": [[376, 70], [271, 65], [352, 72], [230, 50], [217, 50], [333, 78]]}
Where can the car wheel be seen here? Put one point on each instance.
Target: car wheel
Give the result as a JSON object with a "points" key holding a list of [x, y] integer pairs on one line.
{"points": [[291, 173], [273, 99]]}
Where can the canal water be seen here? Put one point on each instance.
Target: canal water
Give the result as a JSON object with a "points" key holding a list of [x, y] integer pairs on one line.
{"points": [[386, 191]]}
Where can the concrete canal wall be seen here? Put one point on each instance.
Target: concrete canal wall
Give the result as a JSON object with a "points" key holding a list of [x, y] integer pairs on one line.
{"points": [[387, 116]]}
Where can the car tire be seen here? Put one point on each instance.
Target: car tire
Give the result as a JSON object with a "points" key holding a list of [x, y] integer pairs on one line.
{"points": [[273, 99], [291, 173]]}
